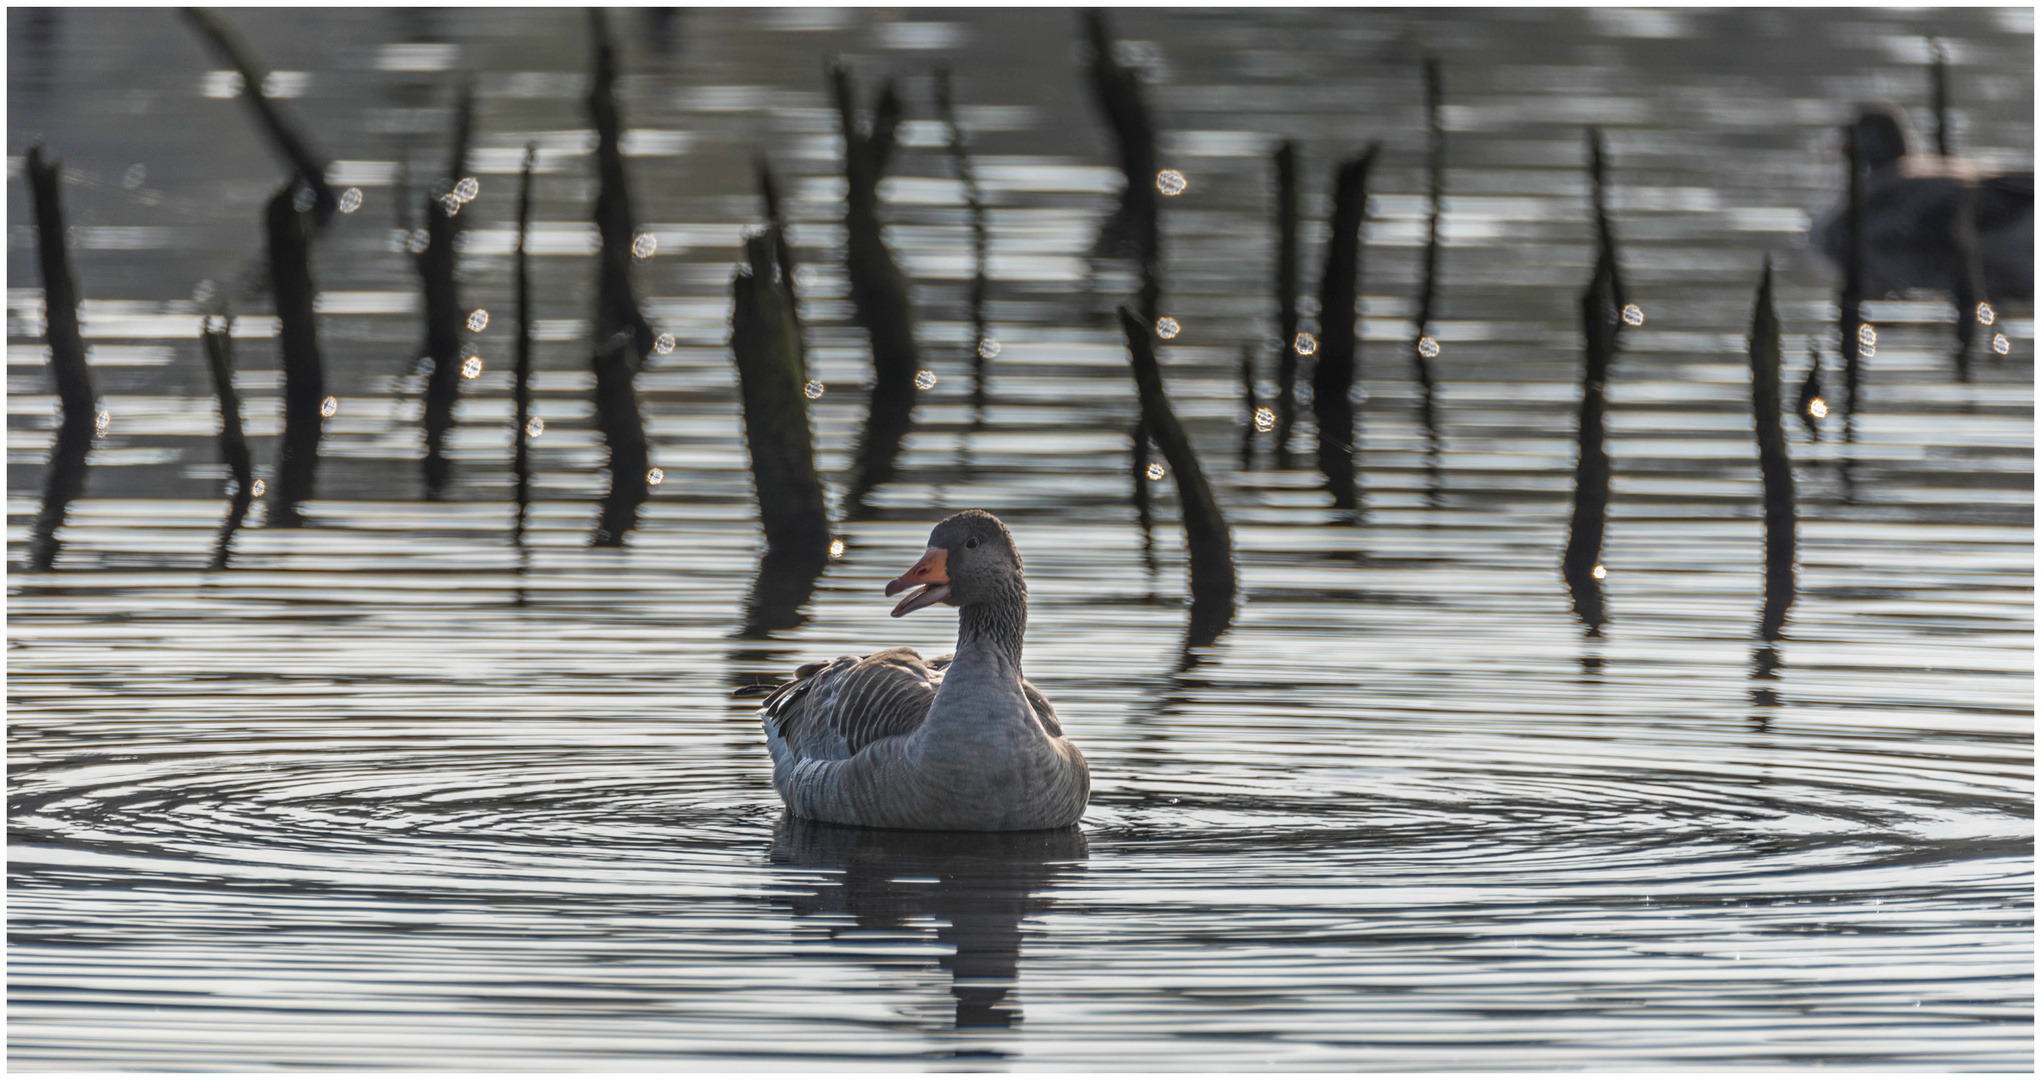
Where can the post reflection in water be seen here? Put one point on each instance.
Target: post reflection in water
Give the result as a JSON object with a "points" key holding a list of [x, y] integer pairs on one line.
{"points": [[977, 886]]}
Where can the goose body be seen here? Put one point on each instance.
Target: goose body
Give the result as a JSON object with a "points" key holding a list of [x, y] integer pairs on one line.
{"points": [[1912, 205], [961, 742]]}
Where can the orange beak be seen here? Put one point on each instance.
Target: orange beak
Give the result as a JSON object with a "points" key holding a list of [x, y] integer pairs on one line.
{"points": [[930, 575]]}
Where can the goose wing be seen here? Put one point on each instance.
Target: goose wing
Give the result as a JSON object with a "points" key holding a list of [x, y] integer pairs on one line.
{"points": [[1045, 713], [833, 710]]}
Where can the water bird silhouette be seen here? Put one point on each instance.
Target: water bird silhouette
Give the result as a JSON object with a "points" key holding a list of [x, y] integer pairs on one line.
{"points": [[1912, 205], [960, 742]]}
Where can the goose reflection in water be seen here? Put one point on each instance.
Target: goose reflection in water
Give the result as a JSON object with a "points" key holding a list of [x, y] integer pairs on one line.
{"points": [[978, 885]]}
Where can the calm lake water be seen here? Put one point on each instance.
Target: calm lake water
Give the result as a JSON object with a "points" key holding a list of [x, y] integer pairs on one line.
{"points": [[390, 793]]}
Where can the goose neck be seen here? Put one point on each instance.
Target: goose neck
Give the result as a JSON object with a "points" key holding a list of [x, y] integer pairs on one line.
{"points": [[993, 629]]}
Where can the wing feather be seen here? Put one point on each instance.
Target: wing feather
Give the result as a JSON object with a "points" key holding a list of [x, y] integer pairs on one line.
{"points": [[834, 710]]}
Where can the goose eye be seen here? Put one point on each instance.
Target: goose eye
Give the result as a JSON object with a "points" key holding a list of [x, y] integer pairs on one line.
{"points": [[971, 543]]}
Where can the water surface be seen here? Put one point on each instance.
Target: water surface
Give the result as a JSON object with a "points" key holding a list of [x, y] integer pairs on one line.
{"points": [[390, 792]]}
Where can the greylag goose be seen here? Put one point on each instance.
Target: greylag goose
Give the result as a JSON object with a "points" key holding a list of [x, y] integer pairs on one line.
{"points": [[1910, 207], [961, 742]]}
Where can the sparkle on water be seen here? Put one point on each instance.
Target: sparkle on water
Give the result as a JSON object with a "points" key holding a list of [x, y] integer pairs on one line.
{"points": [[467, 189], [1155, 470], [258, 488], [329, 406], [814, 389], [836, 548], [1986, 315], [450, 204], [654, 476], [534, 428], [1867, 335], [1817, 408], [350, 200], [1427, 347], [304, 199], [478, 320], [2000, 345], [1264, 419], [988, 348], [1633, 315], [1171, 182], [1600, 572], [472, 368], [924, 379], [1305, 344], [418, 240], [645, 246], [663, 344], [103, 421], [1167, 327]]}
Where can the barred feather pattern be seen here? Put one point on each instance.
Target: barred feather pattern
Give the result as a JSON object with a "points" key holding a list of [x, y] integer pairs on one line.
{"points": [[842, 736]]}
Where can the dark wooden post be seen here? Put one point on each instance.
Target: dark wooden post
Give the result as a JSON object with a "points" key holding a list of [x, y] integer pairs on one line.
{"points": [[219, 350], [445, 321], [304, 376], [1774, 465], [78, 419], [878, 288], [1339, 344], [1286, 300], [1214, 584]]}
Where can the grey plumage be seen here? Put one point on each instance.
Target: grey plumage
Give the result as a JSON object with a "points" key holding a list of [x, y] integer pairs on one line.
{"points": [[959, 742]]}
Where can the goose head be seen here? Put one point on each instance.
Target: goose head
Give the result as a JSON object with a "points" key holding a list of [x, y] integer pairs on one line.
{"points": [[1881, 135], [970, 560]]}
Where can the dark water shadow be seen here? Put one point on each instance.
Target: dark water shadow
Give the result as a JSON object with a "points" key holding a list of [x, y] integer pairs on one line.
{"points": [[785, 580], [979, 886]]}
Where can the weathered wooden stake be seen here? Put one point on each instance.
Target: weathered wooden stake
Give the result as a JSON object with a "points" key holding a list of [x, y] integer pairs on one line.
{"points": [[769, 193], [1601, 317], [304, 376], [1774, 465], [616, 304], [772, 372], [765, 340], [1133, 230], [878, 288], [1421, 365], [1286, 300], [623, 430], [219, 350], [1214, 583], [521, 390], [1850, 320], [623, 338], [310, 165], [981, 237], [446, 324], [1339, 339], [78, 418]]}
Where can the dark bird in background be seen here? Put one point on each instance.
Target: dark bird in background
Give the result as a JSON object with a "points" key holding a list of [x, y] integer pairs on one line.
{"points": [[1912, 204]]}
